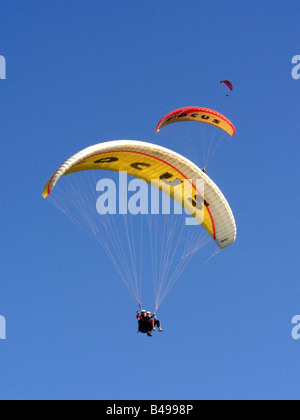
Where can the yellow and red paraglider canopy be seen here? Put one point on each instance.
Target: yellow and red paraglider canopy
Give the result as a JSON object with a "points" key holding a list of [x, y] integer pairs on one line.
{"points": [[204, 115]]}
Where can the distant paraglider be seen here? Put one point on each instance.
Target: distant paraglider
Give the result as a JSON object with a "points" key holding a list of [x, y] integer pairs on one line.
{"points": [[210, 139], [228, 84]]}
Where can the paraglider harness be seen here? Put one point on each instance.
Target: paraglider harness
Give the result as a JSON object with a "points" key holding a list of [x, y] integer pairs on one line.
{"points": [[144, 323]]}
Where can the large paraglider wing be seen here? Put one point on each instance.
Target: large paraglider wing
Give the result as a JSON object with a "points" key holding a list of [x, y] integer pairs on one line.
{"points": [[204, 115], [154, 163]]}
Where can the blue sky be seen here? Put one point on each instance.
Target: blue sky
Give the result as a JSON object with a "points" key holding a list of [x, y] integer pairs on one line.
{"points": [[82, 72]]}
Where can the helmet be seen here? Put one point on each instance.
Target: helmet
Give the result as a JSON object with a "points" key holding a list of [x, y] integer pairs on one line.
{"points": [[148, 313]]}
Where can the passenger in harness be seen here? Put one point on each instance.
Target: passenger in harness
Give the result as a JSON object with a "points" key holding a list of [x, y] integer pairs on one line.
{"points": [[147, 323]]}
